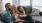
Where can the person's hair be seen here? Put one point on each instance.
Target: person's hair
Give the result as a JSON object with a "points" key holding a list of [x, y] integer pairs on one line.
{"points": [[18, 7], [6, 4], [13, 10]]}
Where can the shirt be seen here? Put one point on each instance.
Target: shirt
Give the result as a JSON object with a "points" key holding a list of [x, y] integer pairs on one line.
{"points": [[23, 13]]}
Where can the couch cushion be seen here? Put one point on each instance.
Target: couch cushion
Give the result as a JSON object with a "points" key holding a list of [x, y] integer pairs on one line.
{"points": [[35, 12], [27, 9]]}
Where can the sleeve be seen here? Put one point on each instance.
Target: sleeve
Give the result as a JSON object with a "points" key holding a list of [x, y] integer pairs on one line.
{"points": [[6, 18], [24, 13], [18, 12], [13, 17], [2, 17]]}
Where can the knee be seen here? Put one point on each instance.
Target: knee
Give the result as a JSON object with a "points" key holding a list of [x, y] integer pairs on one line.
{"points": [[28, 15]]}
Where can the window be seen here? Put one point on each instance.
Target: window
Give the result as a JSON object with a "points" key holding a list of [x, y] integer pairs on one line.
{"points": [[6, 1], [37, 4], [24, 2]]}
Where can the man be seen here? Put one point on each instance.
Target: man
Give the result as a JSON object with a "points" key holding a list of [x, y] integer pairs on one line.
{"points": [[6, 15]]}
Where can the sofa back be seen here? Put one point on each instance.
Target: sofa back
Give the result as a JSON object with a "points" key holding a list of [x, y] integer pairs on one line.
{"points": [[27, 9]]}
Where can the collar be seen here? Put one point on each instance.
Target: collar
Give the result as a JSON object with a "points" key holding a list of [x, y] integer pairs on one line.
{"points": [[7, 11]]}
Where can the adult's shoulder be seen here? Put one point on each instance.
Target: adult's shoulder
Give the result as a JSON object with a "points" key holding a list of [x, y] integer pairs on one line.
{"points": [[4, 12], [18, 12]]}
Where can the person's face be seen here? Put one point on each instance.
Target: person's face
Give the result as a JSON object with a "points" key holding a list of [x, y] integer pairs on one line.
{"points": [[14, 8], [20, 9], [9, 7]]}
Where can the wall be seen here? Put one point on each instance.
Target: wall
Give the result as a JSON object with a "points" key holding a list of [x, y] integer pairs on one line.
{"points": [[4, 2], [1, 6], [15, 2]]}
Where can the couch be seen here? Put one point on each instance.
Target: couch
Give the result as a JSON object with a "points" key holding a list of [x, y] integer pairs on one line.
{"points": [[34, 12]]}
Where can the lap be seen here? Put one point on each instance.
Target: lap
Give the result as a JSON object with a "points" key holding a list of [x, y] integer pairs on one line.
{"points": [[27, 17], [27, 21]]}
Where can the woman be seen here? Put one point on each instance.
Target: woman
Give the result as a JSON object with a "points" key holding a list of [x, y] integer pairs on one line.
{"points": [[27, 18], [15, 17]]}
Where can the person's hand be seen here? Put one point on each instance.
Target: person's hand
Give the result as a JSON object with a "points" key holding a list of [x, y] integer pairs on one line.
{"points": [[20, 16], [20, 22]]}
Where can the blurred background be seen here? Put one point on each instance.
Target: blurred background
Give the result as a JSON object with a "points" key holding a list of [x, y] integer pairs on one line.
{"points": [[33, 7]]}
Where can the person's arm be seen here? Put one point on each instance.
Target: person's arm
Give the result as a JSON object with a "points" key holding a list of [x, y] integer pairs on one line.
{"points": [[13, 17], [2, 17], [24, 13], [17, 21], [20, 20], [21, 16]]}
